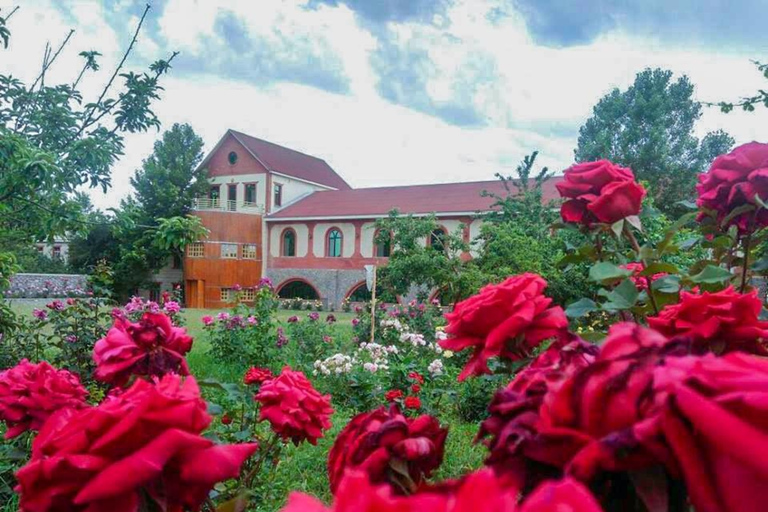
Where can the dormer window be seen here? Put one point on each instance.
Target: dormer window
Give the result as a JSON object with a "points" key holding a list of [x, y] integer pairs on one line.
{"points": [[232, 157]]}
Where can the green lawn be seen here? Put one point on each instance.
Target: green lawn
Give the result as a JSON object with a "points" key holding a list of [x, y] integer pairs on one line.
{"points": [[303, 468]]}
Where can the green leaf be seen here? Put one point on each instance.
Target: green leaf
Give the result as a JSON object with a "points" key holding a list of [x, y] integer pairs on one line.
{"points": [[606, 273], [236, 504], [710, 275], [688, 243], [214, 409], [673, 229], [581, 308], [617, 228], [760, 265], [691, 205], [635, 222], [736, 212], [622, 297], [666, 284], [659, 268]]}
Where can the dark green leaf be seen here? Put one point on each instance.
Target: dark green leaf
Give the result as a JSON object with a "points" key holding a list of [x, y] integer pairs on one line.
{"points": [[606, 273], [581, 307], [711, 274], [659, 268], [666, 284], [622, 297]]}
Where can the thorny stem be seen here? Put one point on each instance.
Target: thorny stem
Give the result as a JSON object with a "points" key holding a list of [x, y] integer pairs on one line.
{"points": [[636, 248], [747, 242]]}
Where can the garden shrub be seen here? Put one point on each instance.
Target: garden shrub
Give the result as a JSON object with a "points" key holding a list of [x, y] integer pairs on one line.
{"points": [[244, 335]]}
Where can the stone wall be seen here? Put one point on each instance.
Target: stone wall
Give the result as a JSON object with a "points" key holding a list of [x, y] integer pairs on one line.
{"points": [[332, 285], [47, 285]]}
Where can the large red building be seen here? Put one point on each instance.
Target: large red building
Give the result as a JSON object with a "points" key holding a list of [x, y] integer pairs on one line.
{"points": [[278, 213]]}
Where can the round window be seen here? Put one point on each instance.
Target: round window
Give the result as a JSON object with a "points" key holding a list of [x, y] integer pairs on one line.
{"points": [[232, 158]]}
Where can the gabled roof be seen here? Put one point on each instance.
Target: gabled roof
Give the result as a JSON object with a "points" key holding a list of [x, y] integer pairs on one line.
{"points": [[291, 162], [442, 198]]}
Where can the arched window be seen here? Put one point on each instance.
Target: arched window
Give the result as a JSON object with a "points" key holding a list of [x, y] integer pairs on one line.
{"points": [[382, 245], [334, 243], [437, 239], [288, 243]]}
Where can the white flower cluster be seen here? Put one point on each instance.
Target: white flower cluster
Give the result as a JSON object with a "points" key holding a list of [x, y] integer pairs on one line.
{"points": [[435, 368], [441, 335], [393, 323], [415, 339], [336, 364], [377, 354]]}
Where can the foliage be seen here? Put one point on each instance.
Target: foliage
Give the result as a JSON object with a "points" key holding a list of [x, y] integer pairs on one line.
{"points": [[649, 128], [517, 236], [53, 141], [170, 179], [244, 335], [417, 263], [747, 103]]}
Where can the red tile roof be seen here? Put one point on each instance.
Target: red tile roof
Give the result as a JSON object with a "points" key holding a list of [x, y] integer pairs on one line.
{"points": [[292, 163], [417, 199]]}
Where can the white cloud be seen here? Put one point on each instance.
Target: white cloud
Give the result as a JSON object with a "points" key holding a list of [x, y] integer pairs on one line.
{"points": [[532, 97]]}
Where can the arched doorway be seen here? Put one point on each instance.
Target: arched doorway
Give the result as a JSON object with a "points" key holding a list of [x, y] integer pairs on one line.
{"points": [[297, 289], [359, 293]]}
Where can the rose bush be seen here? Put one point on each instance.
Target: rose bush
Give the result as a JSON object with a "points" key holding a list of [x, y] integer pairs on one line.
{"points": [[141, 444], [389, 448]]}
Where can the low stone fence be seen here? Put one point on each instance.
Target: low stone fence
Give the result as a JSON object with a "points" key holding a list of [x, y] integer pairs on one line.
{"points": [[32, 286]]}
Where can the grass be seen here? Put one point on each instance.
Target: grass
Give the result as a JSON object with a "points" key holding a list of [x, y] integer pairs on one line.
{"points": [[303, 468]]}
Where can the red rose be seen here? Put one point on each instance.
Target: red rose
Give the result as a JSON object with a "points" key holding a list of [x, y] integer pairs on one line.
{"points": [[257, 376], [415, 389], [294, 408], [383, 443], [599, 192], [412, 402], [510, 431], [226, 419], [715, 423], [481, 490], [722, 322], [593, 414], [733, 181], [143, 443], [393, 394], [641, 282], [30, 393], [416, 376], [565, 495], [506, 320], [151, 347]]}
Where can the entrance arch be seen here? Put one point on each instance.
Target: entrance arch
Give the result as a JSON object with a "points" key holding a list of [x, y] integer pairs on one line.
{"points": [[297, 288]]}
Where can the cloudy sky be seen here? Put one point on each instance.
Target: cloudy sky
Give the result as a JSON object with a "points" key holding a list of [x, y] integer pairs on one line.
{"points": [[403, 91]]}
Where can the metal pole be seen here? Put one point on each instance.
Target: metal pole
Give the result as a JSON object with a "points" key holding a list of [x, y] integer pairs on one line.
{"points": [[373, 306]]}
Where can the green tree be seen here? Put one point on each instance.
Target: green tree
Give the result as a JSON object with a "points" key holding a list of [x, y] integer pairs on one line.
{"points": [[152, 224], [169, 179], [517, 237], [424, 257], [53, 141], [649, 128]]}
